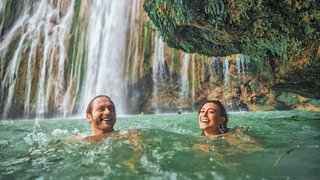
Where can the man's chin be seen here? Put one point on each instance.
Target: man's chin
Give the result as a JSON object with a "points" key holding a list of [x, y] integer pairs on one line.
{"points": [[108, 123], [107, 128]]}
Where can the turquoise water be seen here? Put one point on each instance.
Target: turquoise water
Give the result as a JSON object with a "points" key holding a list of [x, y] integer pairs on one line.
{"points": [[164, 148]]}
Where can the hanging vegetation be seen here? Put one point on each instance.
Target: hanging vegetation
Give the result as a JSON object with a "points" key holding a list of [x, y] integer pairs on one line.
{"points": [[281, 37]]}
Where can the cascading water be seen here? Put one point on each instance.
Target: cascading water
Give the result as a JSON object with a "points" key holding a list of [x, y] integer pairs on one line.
{"points": [[48, 50], [226, 73], [2, 10], [56, 55], [184, 87], [193, 81], [133, 52], [215, 65], [106, 52], [240, 65], [41, 31], [59, 34], [158, 70]]}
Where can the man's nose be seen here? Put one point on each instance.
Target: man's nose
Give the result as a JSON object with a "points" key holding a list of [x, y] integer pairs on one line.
{"points": [[106, 111]]}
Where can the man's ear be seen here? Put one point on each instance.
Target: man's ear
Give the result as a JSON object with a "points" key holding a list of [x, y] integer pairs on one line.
{"points": [[89, 117]]}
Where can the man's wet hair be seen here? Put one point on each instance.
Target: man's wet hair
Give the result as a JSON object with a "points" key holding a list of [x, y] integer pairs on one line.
{"points": [[89, 107]]}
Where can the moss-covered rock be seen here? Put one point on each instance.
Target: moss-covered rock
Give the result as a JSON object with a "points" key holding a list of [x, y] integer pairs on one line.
{"points": [[282, 37]]}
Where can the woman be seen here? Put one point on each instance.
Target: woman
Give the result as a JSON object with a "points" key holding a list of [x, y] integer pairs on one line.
{"points": [[213, 118]]}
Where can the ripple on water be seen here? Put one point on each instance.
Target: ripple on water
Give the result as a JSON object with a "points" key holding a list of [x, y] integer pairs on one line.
{"points": [[4, 143], [15, 161], [167, 151]]}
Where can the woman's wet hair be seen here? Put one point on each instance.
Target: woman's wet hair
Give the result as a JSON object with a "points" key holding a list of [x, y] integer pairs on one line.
{"points": [[223, 128], [89, 107]]}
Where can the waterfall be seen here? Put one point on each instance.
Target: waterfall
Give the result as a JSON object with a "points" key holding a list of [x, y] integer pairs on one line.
{"points": [[226, 71], [240, 65], [158, 70], [2, 10], [107, 30], [56, 56], [133, 58], [184, 87], [8, 81], [226, 76], [42, 30], [215, 65], [59, 33], [193, 80]]}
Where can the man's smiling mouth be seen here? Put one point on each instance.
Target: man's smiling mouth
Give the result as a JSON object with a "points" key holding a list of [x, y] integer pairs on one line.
{"points": [[106, 119]]}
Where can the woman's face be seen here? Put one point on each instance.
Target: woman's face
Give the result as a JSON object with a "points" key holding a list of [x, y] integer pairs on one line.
{"points": [[210, 118]]}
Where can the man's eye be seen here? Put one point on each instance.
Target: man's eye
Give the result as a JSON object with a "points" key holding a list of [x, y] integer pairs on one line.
{"points": [[112, 109]]}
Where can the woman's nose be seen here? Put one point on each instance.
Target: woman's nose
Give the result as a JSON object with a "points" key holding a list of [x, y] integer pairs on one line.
{"points": [[205, 113]]}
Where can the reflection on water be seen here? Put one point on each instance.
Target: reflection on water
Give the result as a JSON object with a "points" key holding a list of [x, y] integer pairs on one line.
{"points": [[288, 149]]}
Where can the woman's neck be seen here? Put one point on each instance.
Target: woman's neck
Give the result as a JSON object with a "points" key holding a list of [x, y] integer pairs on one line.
{"points": [[211, 132]]}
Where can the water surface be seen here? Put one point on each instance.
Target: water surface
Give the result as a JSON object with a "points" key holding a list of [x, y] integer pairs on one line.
{"points": [[164, 148]]}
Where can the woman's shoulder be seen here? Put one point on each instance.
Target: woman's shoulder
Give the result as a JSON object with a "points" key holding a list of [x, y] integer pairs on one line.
{"points": [[238, 136]]}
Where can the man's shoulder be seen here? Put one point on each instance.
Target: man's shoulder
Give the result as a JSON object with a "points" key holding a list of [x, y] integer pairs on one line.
{"points": [[129, 131], [75, 138]]}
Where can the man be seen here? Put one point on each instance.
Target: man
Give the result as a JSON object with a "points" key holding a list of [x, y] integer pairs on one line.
{"points": [[101, 114]]}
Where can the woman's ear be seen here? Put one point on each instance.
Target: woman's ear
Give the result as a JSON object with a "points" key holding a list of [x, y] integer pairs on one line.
{"points": [[222, 119]]}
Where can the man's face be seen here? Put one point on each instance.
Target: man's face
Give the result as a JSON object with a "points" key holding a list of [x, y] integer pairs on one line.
{"points": [[103, 116]]}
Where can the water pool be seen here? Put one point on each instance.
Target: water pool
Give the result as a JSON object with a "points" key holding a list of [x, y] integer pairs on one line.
{"points": [[288, 149]]}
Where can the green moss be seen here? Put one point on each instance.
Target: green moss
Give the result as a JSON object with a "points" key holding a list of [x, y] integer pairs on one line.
{"points": [[262, 30], [147, 38]]}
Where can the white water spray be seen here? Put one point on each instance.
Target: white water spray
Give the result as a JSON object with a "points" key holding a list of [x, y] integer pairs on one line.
{"points": [[193, 81], [107, 29], [158, 70], [184, 88], [40, 39], [240, 65]]}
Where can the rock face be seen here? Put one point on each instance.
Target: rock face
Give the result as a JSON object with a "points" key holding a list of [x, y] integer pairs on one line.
{"points": [[305, 81], [281, 37]]}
